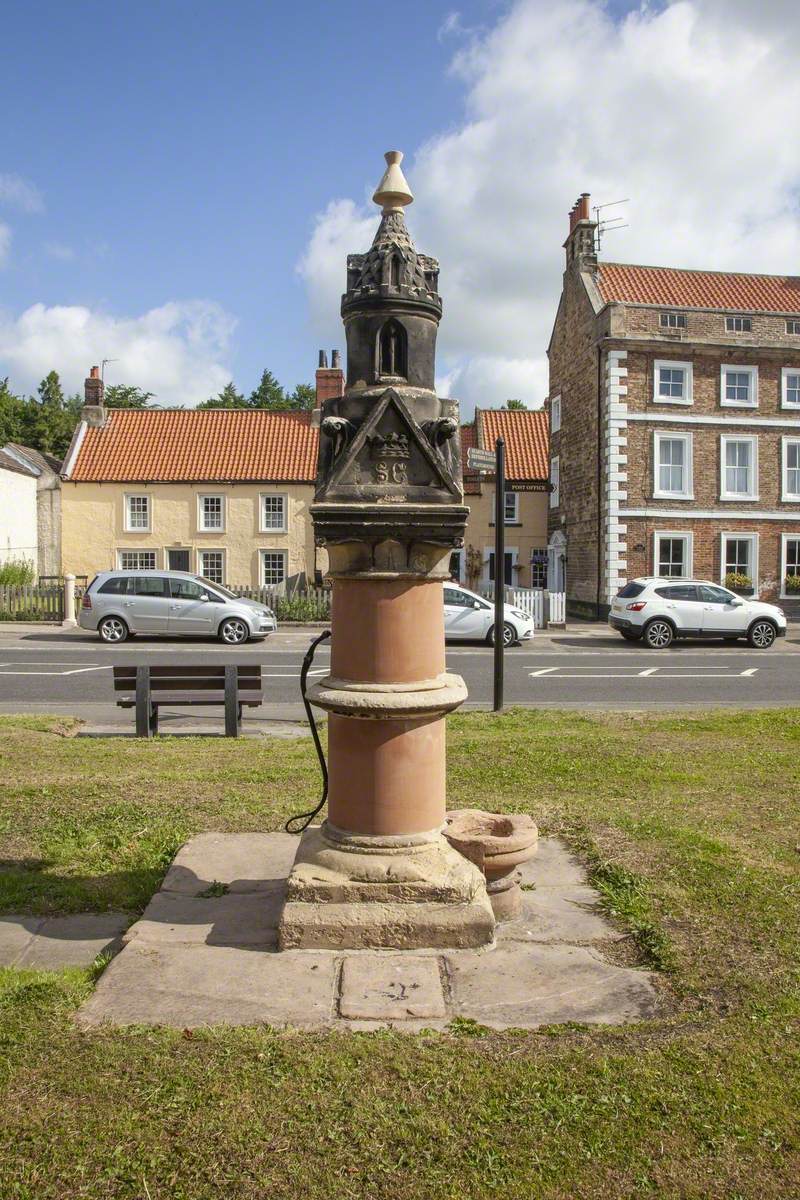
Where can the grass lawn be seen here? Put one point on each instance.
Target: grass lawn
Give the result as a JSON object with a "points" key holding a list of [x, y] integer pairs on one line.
{"points": [[690, 827]]}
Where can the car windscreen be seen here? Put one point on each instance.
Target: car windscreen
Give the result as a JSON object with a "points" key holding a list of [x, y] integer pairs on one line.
{"points": [[217, 588]]}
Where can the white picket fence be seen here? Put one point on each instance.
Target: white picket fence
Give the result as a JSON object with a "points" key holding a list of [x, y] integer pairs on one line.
{"points": [[546, 608]]}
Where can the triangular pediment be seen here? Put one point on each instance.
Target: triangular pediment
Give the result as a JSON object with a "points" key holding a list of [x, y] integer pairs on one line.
{"points": [[390, 460]]}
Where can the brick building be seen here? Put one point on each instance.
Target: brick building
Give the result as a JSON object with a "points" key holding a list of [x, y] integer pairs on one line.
{"points": [[675, 427]]}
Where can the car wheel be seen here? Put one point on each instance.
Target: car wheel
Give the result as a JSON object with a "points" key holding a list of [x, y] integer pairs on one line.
{"points": [[509, 635], [761, 635], [113, 630], [629, 636], [233, 632], [659, 634]]}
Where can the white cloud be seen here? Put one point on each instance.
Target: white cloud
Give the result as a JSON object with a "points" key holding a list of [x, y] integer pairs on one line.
{"points": [[20, 193], [177, 351], [60, 251], [684, 108], [5, 242]]}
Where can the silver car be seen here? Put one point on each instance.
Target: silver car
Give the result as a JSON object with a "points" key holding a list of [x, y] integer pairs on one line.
{"points": [[119, 604], [469, 617]]}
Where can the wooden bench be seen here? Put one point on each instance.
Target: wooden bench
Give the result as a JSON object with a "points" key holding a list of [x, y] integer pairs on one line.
{"points": [[145, 688]]}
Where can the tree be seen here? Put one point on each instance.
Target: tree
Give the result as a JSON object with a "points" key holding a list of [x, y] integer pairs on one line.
{"points": [[12, 415], [126, 395], [303, 398], [268, 394], [515, 406], [227, 398], [50, 419]]}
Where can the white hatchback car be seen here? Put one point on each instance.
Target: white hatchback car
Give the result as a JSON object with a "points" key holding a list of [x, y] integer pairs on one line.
{"points": [[470, 617], [656, 611]]}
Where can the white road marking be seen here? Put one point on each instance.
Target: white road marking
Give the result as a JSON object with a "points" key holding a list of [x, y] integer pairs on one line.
{"points": [[543, 671], [52, 674], [649, 671]]}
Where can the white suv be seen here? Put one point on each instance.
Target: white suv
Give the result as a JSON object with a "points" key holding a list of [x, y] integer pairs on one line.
{"points": [[656, 611]]}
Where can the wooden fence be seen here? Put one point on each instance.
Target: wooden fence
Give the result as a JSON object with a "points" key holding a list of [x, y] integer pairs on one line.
{"points": [[27, 602], [546, 608]]}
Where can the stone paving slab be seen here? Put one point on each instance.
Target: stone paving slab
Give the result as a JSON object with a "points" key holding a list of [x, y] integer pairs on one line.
{"points": [[194, 960], [232, 920], [549, 915], [188, 986], [244, 862], [53, 942], [547, 985], [553, 865], [391, 987]]}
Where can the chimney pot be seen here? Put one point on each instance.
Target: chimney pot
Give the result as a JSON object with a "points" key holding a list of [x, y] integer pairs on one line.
{"points": [[323, 359], [336, 359]]}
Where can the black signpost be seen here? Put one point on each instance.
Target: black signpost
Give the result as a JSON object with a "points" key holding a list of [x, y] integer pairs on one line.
{"points": [[499, 569]]}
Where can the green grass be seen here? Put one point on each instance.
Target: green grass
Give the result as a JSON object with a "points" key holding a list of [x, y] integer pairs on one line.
{"points": [[689, 828]]}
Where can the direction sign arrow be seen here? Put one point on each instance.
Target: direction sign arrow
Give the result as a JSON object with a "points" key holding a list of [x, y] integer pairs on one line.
{"points": [[480, 460]]}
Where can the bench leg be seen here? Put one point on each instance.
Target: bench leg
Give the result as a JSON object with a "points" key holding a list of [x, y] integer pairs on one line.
{"points": [[154, 718], [232, 707], [143, 706]]}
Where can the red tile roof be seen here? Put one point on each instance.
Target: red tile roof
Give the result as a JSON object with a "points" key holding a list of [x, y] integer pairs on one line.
{"points": [[699, 289], [209, 444], [527, 438]]}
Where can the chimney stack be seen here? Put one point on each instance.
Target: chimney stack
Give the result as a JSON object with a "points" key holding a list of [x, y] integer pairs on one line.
{"points": [[93, 411], [330, 380], [580, 243]]}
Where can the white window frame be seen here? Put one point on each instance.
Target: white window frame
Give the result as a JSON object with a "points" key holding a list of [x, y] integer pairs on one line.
{"points": [[672, 320], [201, 525], [555, 480], [120, 553], [555, 413], [792, 326], [753, 389], [507, 519], [212, 550], [261, 562], [786, 495], [666, 435], [687, 537], [785, 539], [735, 535], [262, 525], [785, 401], [724, 494], [672, 364], [129, 528]]}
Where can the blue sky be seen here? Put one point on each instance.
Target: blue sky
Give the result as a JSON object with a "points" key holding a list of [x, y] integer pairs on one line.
{"points": [[182, 149], [180, 182]]}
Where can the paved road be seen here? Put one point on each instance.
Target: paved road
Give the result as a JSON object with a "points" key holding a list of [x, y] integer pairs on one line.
{"points": [[70, 672]]}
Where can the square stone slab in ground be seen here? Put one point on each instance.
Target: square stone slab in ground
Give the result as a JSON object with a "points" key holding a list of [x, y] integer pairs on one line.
{"points": [[49, 943], [391, 987], [552, 915], [553, 865], [244, 862]]}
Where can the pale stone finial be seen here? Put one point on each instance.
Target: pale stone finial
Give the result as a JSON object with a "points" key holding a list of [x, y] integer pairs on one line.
{"points": [[393, 192]]}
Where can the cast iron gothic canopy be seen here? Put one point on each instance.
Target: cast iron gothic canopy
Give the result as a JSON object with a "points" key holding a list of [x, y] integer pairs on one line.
{"points": [[389, 495]]}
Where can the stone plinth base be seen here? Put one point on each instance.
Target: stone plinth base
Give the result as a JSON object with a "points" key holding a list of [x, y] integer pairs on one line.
{"points": [[350, 892]]}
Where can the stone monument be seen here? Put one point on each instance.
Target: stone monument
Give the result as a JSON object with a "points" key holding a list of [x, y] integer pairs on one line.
{"points": [[389, 508]]}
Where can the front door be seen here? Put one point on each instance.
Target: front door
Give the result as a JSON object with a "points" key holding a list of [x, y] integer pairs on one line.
{"points": [[178, 560]]}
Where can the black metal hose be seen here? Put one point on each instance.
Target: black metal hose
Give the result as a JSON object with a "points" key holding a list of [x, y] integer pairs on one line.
{"points": [[307, 817]]}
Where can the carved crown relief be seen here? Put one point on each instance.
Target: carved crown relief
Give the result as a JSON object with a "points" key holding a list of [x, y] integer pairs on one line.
{"points": [[389, 459]]}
